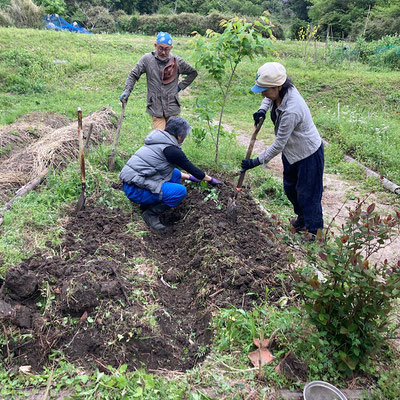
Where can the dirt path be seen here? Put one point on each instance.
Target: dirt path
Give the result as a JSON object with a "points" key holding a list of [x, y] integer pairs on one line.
{"points": [[336, 192]]}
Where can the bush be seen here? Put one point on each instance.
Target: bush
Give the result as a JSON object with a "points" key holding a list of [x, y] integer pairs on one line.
{"points": [[52, 6], [98, 20], [186, 23], [175, 24], [382, 26], [24, 14], [383, 53], [347, 297], [386, 57], [126, 23], [296, 26]]}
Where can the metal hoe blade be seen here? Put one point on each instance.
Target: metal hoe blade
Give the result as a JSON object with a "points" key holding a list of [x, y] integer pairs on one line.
{"points": [[82, 199], [231, 211]]}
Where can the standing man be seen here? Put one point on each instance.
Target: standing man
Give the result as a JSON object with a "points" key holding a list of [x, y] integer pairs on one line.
{"points": [[162, 70], [297, 138]]}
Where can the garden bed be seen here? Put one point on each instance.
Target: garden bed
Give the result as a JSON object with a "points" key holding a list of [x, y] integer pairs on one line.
{"points": [[113, 292]]}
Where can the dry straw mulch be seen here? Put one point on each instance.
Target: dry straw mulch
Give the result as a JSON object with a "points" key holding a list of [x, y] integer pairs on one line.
{"points": [[52, 149]]}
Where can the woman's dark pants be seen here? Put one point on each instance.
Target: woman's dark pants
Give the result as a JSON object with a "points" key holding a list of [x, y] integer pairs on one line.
{"points": [[302, 182]]}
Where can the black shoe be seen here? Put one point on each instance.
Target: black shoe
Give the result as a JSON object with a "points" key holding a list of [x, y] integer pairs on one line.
{"points": [[298, 224], [152, 216], [144, 207], [309, 237]]}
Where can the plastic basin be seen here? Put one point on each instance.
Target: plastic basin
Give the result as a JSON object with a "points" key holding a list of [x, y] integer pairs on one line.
{"points": [[319, 390]]}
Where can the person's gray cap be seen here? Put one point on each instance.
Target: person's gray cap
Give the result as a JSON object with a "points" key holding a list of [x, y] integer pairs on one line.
{"points": [[271, 74]]}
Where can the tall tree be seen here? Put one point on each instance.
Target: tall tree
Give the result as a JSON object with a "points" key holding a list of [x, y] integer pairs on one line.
{"points": [[300, 8], [340, 14]]}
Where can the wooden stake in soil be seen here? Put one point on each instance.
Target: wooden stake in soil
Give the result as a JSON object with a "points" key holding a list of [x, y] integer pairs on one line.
{"points": [[82, 199]]}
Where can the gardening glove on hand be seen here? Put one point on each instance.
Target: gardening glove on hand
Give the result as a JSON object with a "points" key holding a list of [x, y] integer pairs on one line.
{"points": [[124, 97], [214, 182], [257, 115], [250, 163], [179, 89], [193, 179]]}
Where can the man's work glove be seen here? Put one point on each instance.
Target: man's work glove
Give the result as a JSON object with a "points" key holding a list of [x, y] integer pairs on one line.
{"points": [[250, 163], [193, 179], [124, 97], [214, 182], [257, 115]]}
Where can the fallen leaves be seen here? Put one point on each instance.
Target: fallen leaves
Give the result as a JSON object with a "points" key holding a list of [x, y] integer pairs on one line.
{"points": [[262, 355], [290, 366]]}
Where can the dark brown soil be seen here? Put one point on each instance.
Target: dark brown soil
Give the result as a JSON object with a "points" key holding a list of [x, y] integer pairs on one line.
{"points": [[114, 292]]}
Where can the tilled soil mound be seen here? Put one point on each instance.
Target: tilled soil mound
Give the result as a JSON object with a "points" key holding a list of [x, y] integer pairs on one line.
{"points": [[116, 292]]}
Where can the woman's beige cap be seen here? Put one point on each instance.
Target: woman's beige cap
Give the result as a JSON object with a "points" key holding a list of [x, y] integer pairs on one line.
{"points": [[271, 74]]}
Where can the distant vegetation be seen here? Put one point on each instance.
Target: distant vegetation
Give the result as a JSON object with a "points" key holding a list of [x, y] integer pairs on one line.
{"points": [[370, 19]]}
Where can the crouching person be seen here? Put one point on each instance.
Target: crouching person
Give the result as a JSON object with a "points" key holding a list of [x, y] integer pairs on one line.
{"points": [[150, 178]]}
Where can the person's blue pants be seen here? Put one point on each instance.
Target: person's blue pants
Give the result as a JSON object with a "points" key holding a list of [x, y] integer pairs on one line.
{"points": [[302, 182], [172, 192]]}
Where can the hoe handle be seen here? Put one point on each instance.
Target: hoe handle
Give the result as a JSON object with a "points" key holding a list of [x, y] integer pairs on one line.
{"points": [[81, 147], [249, 151]]}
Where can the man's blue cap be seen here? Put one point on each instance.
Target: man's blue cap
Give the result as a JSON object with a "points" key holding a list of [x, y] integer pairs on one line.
{"points": [[164, 37]]}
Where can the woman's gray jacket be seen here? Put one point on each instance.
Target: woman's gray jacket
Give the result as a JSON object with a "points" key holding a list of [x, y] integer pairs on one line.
{"points": [[148, 168], [162, 99], [296, 136]]}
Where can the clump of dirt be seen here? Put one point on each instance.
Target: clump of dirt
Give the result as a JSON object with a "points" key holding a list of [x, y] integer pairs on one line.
{"points": [[118, 293]]}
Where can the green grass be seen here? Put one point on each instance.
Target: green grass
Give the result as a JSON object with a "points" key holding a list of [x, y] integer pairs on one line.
{"points": [[93, 76]]}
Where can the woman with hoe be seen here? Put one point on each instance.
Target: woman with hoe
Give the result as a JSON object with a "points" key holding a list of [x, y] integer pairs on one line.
{"points": [[297, 138]]}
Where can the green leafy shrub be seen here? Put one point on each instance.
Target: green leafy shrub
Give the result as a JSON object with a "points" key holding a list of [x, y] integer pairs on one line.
{"points": [[296, 26], [384, 52], [186, 23], [124, 22], [98, 20], [347, 297], [52, 6]]}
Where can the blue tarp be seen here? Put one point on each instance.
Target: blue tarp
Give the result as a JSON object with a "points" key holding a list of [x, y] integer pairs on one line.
{"points": [[57, 23]]}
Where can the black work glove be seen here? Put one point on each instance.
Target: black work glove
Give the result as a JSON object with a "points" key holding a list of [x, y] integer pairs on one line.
{"points": [[257, 115], [250, 163]]}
